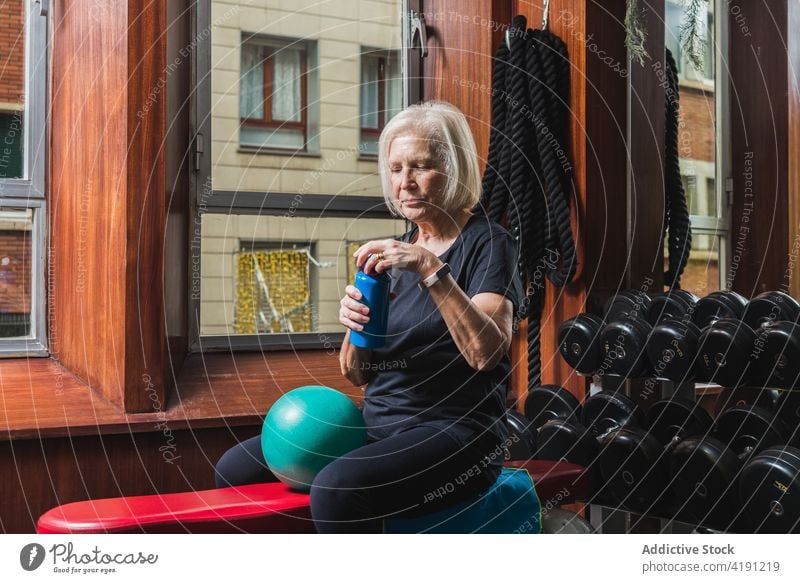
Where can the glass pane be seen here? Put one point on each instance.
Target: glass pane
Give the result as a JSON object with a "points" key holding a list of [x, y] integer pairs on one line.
{"points": [[16, 229], [267, 137], [697, 123], [251, 93], [12, 89], [370, 76], [287, 102], [326, 38], [262, 274], [701, 275]]}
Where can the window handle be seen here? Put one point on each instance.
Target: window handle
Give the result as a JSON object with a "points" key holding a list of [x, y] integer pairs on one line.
{"points": [[417, 27], [44, 7]]}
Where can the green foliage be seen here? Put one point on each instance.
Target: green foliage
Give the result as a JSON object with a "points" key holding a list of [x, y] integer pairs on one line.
{"points": [[692, 38], [635, 32]]}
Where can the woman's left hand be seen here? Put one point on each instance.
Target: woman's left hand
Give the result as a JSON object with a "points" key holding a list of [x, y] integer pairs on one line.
{"points": [[387, 253]]}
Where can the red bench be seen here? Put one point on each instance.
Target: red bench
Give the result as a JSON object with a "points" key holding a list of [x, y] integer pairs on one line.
{"points": [[258, 508]]}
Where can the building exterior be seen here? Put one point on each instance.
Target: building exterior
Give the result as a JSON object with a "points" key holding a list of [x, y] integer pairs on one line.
{"points": [[296, 113]]}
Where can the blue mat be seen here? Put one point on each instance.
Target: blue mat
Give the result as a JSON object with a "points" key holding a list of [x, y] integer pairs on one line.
{"points": [[510, 506]]}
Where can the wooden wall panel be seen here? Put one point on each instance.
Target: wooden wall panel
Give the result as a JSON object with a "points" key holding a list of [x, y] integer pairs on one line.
{"points": [[107, 195], [87, 256], [793, 155], [759, 122], [646, 143], [462, 39], [41, 474]]}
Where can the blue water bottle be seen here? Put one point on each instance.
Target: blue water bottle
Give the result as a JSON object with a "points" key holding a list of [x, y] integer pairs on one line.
{"points": [[374, 288]]}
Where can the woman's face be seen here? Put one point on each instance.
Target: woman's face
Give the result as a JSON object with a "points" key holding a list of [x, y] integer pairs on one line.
{"points": [[417, 177]]}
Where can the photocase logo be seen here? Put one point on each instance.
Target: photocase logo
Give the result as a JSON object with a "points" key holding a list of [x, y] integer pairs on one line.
{"points": [[31, 556]]}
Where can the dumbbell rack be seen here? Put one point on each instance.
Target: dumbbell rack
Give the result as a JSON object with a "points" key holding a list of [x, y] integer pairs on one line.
{"points": [[614, 520]]}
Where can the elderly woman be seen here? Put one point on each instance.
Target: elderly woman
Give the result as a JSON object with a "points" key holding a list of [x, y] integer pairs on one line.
{"points": [[435, 393], [435, 411]]}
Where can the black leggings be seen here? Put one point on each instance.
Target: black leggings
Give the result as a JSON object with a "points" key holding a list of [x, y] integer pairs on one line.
{"points": [[417, 471]]}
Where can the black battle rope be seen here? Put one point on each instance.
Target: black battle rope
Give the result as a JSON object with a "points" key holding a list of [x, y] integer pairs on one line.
{"points": [[526, 178], [544, 80], [676, 215], [498, 124]]}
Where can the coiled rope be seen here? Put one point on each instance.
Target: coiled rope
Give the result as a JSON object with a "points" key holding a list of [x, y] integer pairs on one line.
{"points": [[677, 224], [526, 177]]}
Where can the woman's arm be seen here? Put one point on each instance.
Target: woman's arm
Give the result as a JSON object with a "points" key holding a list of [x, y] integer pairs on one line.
{"points": [[354, 315], [352, 359], [480, 327]]}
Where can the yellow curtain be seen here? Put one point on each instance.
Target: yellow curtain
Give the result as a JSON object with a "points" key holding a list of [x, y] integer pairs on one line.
{"points": [[273, 292]]}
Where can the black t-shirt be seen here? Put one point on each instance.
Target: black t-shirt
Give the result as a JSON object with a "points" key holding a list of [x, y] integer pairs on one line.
{"points": [[422, 378]]}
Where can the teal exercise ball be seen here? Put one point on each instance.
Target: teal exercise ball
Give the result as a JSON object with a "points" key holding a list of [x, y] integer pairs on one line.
{"points": [[306, 429]]}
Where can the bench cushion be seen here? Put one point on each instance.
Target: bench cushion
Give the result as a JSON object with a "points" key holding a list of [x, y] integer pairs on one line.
{"points": [[509, 506]]}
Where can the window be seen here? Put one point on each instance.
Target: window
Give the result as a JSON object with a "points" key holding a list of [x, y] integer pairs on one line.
{"points": [[381, 85], [273, 94], [23, 62], [290, 101], [702, 149], [675, 20]]}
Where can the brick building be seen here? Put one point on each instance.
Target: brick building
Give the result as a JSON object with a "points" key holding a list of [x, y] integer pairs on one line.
{"points": [[15, 225]]}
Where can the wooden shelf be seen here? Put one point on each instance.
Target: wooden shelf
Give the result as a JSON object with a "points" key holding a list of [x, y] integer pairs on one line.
{"points": [[41, 399]]}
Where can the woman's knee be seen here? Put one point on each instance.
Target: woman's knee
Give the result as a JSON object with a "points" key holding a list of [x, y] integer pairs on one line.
{"points": [[335, 486], [243, 464]]}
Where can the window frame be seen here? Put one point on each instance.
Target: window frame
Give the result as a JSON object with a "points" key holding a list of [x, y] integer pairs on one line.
{"points": [[265, 203], [28, 192]]}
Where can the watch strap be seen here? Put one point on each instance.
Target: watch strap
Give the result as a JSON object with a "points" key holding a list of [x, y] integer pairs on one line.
{"points": [[434, 277]]}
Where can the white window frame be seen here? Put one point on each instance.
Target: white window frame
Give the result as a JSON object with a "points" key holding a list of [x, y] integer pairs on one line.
{"points": [[29, 190]]}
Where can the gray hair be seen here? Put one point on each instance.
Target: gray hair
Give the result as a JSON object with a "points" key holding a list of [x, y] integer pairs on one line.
{"points": [[446, 128]]}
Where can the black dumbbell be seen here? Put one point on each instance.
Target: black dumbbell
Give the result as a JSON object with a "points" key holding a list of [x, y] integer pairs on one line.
{"points": [[547, 402], [705, 468], [578, 442], [676, 304], [718, 305], [634, 461], [623, 343], [672, 349], [787, 409], [776, 355], [627, 303], [769, 488], [521, 437], [725, 353], [770, 307], [579, 342]]}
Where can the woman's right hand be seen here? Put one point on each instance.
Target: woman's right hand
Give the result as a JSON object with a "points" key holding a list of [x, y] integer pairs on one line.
{"points": [[353, 314]]}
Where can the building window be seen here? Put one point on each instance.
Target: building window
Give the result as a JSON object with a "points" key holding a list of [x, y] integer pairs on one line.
{"points": [[381, 95], [273, 99], [273, 289], [702, 160]]}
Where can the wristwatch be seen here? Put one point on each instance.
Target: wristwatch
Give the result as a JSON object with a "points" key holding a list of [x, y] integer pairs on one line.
{"points": [[434, 277]]}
